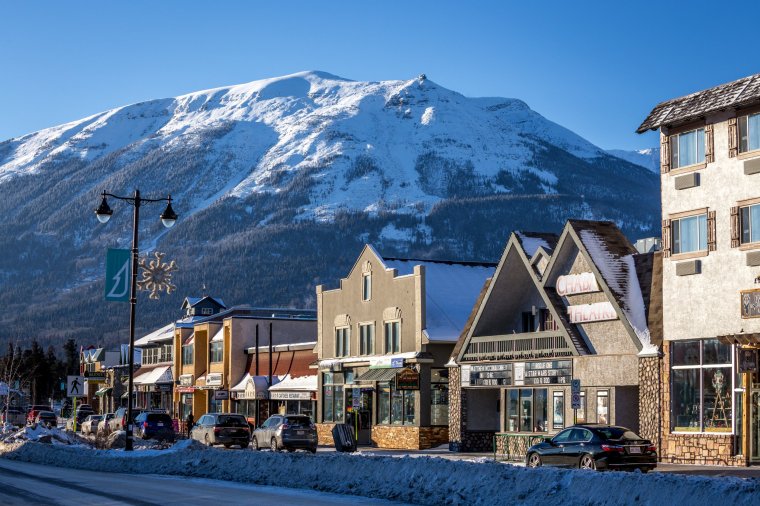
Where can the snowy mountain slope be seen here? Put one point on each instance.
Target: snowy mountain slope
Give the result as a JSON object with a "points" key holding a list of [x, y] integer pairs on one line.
{"points": [[278, 182], [648, 158]]}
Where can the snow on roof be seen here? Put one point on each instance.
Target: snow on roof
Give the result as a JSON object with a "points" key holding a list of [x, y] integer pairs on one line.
{"points": [[451, 290], [296, 384], [161, 374], [192, 301], [615, 263], [531, 241], [162, 334]]}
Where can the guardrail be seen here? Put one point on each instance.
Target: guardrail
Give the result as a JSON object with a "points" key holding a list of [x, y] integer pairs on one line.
{"points": [[514, 446]]}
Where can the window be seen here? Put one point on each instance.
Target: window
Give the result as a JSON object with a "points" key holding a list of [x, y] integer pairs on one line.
{"points": [[187, 355], [392, 337], [602, 406], [216, 351], [687, 148], [580, 413], [332, 398], [207, 310], [701, 386], [367, 339], [558, 411], [366, 287], [341, 341], [439, 397], [749, 133], [395, 407], [689, 234], [528, 321], [750, 224], [526, 410]]}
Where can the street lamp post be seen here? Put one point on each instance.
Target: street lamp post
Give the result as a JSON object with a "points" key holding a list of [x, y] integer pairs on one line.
{"points": [[168, 218]]}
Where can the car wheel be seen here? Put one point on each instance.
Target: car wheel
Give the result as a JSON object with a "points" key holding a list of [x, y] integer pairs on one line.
{"points": [[206, 440], [254, 443], [227, 445], [587, 462], [273, 445], [313, 450], [244, 445], [534, 460]]}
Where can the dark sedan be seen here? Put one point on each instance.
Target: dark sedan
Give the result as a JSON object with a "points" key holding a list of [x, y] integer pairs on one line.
{"points": [[157, 426], [592, 446]]}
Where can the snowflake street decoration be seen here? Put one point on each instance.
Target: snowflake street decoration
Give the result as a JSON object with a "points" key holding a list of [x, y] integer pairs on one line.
{"points": [[156, 276]]}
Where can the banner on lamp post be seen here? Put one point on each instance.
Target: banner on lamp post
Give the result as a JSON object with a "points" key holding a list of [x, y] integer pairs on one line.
{"points": [[118, 275]]}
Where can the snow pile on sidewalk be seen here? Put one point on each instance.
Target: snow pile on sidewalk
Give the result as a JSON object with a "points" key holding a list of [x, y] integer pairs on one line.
{"points": [[42, 434], [432, 481]]}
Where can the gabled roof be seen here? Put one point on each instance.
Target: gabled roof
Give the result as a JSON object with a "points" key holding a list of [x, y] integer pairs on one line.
{"points": [[194, 301], [730, 96], [165, 333], [531, 242]]}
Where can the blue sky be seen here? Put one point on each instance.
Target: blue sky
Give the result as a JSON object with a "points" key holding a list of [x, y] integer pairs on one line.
{"points": [[594, 67]]}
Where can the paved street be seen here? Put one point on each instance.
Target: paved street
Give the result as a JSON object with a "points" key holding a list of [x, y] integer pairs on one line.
{"points": [[25, 484]]}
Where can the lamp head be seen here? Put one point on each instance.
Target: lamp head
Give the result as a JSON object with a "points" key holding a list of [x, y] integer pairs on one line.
{"points": [[169, 217], [103, 212]]}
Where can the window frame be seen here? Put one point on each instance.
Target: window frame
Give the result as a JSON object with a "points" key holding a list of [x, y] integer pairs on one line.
{"points": [[366, 287], [335, 383], [190, 352], [558, 395], [742, 206], [743, 119], [404, 395], [603, 394], [366, 343], [520, 420], [216, 350], [675, 154], [391, 346], [342, 341], [675, 224]]}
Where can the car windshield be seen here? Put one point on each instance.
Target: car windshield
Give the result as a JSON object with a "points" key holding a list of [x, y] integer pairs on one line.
{"points": [[44, 414], [618, 433], [299, 421], [231, 421]]}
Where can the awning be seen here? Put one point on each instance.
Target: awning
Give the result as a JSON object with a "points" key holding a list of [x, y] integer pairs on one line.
{"points": [[162, 374], [744, 339], [103, 391], [251, 387], [377, 375], [297, 384], [219, 336]]}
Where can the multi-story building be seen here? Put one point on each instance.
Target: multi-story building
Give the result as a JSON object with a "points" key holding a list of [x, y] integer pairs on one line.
{"points": [[93, 363], [558, 310], [384, 338], [154, 381], [710, 177]]}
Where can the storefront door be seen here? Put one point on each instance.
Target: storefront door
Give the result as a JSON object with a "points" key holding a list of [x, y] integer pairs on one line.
{"points": [[359, 413]]}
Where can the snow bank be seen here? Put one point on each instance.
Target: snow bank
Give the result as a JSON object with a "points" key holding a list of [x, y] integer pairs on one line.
{"points": [[426, 480]]}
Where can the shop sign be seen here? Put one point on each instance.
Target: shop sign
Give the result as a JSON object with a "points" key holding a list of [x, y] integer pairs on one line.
{"points": [[397, 363], [490, 375], [290, 396], [747, 360], [221, 395], [384, 362], [408, 379], [251, 393], [585, 282], [750, 301], [164, 387], [214, 379], [597, 312], [552, 372], [186, 380], [185, 390], [95, 375]]}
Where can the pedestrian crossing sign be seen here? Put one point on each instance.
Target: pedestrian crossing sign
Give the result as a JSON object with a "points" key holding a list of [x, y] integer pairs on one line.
{"points": [[75, 386]]}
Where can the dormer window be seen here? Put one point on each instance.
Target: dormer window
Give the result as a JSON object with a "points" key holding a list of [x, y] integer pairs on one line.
{"points": [[207, 310], [366, 286], [687, 148]]}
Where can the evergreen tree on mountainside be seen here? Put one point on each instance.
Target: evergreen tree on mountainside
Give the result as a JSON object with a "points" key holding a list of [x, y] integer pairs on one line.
{"points": [[70, 358]]}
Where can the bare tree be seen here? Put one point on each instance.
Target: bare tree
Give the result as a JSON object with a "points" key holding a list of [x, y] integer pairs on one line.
{"points": [[14, 370]]}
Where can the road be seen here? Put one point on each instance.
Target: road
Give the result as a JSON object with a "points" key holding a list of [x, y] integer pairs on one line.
{"points": [[32, 484]]}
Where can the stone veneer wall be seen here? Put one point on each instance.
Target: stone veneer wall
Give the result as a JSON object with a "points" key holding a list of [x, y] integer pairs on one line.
{"points": [[701, 448], [394, 436], [461, 439], [650, 401], [324, 434]]}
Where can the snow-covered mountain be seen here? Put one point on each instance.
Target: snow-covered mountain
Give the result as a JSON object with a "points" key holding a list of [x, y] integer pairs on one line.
{"points": [[648, 158], [278, 182]]}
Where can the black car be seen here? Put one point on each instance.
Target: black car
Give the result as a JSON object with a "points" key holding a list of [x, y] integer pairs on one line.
{"points": [[593, 446], [154, 426]]}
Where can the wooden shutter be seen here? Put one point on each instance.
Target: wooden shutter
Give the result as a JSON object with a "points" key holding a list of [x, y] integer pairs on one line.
{"points": [[711, 236], [666, 238], [735, 231], [709, 144], [733, 138], [664, 153]]}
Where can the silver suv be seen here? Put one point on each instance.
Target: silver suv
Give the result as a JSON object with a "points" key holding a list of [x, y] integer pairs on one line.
{"points": [[286, 431]]}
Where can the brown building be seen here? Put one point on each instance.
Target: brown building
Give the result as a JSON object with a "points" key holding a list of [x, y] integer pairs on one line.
{"points": [[557, 310], [384, 337]]}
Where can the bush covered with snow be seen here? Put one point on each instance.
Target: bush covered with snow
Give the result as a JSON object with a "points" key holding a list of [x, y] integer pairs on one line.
{"points": [[425, 480]]}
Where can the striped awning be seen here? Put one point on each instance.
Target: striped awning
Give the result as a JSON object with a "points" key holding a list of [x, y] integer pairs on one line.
{"points": [[385, 374]]}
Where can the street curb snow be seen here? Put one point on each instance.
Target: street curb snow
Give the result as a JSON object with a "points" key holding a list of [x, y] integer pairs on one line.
{"points": [[427, 481]]}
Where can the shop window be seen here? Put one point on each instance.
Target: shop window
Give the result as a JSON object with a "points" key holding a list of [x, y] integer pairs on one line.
{"points": [[366, 287], [687, 148], [187, 355], [689, 234], [558, 411], [216, 352], [392, 337], [602, 406], [580, 413], [701, 386], [439, 397], [341, 341], [749, 132], [526, 410], [332, 398], [395, 407], [750, 224], [367, 339]]}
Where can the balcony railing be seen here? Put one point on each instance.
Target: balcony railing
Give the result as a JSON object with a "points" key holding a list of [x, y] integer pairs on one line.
{"points": [[528, 345]]}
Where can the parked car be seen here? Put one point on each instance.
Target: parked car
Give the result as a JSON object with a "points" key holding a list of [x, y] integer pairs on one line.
{"points": [[103, 424], [594, 446], [31, 412], [222, 428], [90, 424], [15, 416], [80, 416], [154, 426], [286, 431], [47, 419]]}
